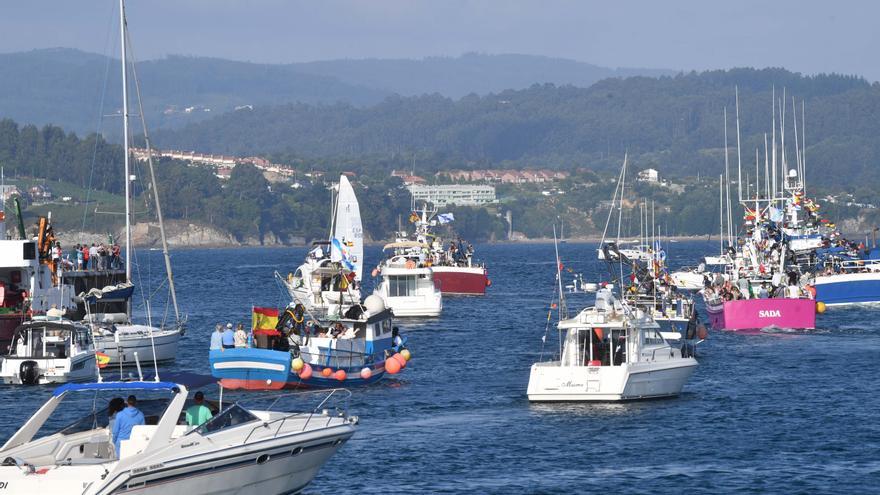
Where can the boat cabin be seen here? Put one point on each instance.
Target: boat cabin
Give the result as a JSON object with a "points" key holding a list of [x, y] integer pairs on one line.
{"points": [[50, 340]]}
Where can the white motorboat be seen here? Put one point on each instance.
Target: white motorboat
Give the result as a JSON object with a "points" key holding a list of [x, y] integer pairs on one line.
{"points": [[330, 281], [407, 284], [610, 352], [48, 350], [239, 450]]}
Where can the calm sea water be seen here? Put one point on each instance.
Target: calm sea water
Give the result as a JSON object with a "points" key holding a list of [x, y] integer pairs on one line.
{"points": [[773, 413]]}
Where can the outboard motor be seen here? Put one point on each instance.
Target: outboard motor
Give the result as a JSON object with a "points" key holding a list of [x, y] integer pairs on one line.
{"points": [[29, 373]]}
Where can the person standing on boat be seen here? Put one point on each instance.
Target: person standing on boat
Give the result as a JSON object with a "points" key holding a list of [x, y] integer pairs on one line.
{"points": [[217, 338], [125, 421], [198, 413], [93, 257], [79, 257], [240, 336], [228, 337], [116, 405]]}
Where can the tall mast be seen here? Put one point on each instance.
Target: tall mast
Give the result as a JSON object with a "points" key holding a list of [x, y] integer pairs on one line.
{"points": [[803, 149], [125, 142], [721, 208], [727, 176], [782, 107], [158, 204], [738, 159], [773, 162], [797, 146], [622, 188]]}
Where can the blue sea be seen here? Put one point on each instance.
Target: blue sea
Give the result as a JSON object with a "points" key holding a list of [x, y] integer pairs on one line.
{"points": [[768, 413]]}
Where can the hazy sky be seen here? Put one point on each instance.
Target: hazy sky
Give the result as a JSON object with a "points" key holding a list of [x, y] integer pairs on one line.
{"points": [[811, 36]]}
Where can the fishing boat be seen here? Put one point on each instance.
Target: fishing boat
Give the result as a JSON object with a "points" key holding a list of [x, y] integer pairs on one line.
{"points": [[355, 349], [241, 449], [30, 281], [849, 279], [454, 269], [610, 352], [116, 334], [329, 278], [407, 280], [49, 350], [766, 287]]}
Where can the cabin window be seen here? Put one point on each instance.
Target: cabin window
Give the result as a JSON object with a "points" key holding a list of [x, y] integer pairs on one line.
{"points": [[402, 286], [233, 416]]}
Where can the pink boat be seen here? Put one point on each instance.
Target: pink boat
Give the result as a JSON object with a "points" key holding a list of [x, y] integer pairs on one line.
{"points": [[755, 314]]}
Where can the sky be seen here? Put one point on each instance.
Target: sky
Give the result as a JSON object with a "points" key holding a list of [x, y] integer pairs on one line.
{"points": [[804, 36]]}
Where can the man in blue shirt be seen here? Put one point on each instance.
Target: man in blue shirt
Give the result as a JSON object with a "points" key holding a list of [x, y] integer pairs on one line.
{"points": [[217, 338], [124, 421], [228, 337]]}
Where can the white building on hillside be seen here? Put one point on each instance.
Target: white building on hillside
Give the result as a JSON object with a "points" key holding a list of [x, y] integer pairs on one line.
{"points": [[462, 195], [649, 175]]}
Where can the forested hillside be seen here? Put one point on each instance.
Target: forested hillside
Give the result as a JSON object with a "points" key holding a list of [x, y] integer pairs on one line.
{"points": [[66, 87], [671, 123]]}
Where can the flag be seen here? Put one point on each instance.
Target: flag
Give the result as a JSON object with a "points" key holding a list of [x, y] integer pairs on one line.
{"points": [[265, 318], [340, 252], [776, 214], [102, 359], [413, 217], [445, 218]]}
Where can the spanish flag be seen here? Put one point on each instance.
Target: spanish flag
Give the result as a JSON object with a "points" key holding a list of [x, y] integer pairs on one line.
{"points": [[102, 359], [413, 217], [265, 318]]}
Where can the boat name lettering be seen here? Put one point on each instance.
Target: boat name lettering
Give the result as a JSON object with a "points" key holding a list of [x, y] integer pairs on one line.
{"points": [[191, 444], [769, 313], [571, 384], [4, 485], [151, 467]]}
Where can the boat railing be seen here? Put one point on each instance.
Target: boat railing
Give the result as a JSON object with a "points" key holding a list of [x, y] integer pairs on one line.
{"points": [[342, 358], [850, 266], [337, 399]]}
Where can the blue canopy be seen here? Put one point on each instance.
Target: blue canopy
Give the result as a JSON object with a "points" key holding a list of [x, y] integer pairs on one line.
{"points": [[73, 387]]}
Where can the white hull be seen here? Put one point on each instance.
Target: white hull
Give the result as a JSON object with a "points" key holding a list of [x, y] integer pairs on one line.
{"points": [[550, 382], [688, 280], [136, 339], [81, 368], [414, 306]]}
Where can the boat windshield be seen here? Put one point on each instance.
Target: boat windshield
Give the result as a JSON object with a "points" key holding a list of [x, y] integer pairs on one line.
{"points": [[153, 409], [235, 415]]}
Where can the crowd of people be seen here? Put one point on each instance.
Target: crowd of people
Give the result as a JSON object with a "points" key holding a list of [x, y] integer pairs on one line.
{"points": [[92, 256]]}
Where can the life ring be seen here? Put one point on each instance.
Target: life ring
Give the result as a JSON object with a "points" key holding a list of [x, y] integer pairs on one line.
{"points": [[410, 264]]}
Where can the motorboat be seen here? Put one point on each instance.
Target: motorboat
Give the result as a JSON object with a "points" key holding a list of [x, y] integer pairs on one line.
{"points": [[49, 350], [610, 352], [329, 278], [357, 349], [454, 268], [407, 281], [241, 449], [848, 277]]}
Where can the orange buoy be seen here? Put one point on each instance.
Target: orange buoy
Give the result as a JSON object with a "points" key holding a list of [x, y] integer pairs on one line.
{"points": [[392, 365], [326, 372], [406, 354], [366, 373], [400, 359], [820, 307], [306, 372], [340, 375]]}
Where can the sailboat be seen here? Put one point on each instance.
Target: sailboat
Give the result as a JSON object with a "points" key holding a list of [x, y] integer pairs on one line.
{"points": [[122, 340], [329, 278], [641, 251]]}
